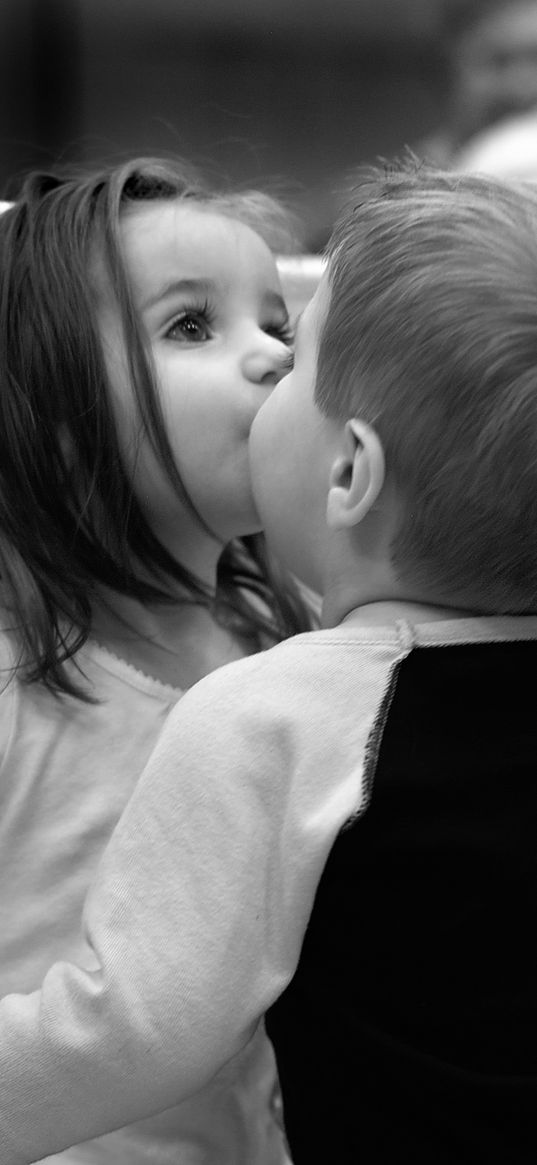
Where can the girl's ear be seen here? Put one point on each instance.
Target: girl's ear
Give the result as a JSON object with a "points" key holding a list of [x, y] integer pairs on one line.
{"points": [[356, 478]]}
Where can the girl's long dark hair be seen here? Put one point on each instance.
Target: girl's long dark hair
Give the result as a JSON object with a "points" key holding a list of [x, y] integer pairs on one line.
{"points": [[70, 523]]}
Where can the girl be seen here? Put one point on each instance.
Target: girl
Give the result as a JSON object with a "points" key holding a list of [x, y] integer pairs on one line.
{"points": [[142, 326]]}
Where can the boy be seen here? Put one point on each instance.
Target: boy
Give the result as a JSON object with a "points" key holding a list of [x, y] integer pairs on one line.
{"points": [[376, 777]]}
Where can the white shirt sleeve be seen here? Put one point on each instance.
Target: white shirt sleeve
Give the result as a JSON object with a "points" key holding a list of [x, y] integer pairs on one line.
{"points": [[197, 915]]}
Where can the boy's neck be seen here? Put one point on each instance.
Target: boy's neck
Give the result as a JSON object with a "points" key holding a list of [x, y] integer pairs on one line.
{"points": [[386, 612], [371, 593]]}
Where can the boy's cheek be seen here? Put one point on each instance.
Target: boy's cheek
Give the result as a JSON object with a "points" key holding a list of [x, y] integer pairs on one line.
{"points": [[254, 455], [260, 434], [264, 467]]}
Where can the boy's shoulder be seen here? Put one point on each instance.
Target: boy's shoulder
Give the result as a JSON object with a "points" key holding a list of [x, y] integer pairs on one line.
{"points": [[300, 664], [308, 697], [356, 655], [313, 680], [283, 731], [303, 720]]}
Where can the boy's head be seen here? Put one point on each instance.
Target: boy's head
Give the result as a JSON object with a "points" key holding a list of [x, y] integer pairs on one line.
{"points": [[424, 334]]}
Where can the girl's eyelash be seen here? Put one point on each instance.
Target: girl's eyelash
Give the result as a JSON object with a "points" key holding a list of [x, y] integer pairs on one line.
{"points": [[288, 362], [285, 333], [202, 309]]}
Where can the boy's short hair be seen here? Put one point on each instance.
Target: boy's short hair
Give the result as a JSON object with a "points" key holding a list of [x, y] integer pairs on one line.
{"points": [[431, 336]]}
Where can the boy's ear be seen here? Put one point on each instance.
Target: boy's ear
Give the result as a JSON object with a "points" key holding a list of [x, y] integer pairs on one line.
{"points": [[356, 478]]}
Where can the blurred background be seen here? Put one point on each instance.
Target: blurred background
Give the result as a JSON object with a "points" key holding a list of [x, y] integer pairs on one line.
{"points": [[289, 95]]}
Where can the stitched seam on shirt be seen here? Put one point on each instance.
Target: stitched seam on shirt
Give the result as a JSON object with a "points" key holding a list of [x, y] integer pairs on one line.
{"points": [[390, 641], [372, 748]]}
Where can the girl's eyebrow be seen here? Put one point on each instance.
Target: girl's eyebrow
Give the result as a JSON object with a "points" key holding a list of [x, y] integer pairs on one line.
{"points": [[179, 286]]}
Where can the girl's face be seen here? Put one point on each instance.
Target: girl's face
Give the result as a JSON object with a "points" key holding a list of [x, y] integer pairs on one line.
{"points": [[207, 291]]}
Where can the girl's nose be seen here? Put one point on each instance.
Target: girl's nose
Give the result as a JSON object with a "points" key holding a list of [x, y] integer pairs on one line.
{"points": [[268, 362]]}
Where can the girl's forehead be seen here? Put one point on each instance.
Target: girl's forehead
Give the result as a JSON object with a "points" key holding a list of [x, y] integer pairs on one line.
{"points": [[194, 238], [175, 249]]}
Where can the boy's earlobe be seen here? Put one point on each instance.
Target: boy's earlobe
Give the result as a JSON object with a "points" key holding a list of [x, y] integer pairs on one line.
{"points": [[356, 478]]}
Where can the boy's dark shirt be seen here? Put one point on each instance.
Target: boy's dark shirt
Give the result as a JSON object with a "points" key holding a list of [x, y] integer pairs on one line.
{"points": [[409, 1032]]}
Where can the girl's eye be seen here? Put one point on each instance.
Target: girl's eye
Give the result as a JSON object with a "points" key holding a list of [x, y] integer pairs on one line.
{"points": [[191, 326], [283, 332]]}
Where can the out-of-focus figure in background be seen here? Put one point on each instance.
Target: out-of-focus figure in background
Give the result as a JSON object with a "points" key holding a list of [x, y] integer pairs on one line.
{"points": [[509, 149], [491, 47]]}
